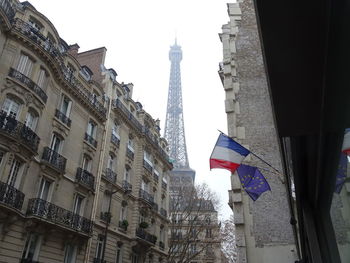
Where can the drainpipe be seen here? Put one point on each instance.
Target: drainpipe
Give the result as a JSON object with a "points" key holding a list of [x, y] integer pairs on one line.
{"points": [[100, 166]]}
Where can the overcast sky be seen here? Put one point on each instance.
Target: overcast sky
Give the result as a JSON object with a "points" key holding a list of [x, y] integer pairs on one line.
{"points": [[138, 35]]}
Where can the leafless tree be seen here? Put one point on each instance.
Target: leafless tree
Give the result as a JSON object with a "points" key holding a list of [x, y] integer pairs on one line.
{"points": [[228, 240], [194, 228]]}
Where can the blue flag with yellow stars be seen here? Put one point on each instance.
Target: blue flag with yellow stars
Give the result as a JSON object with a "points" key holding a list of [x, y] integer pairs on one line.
{"points": [[341, 173], [252, 180]]}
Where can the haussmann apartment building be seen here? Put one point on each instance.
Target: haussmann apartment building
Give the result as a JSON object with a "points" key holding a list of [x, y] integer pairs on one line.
{"points": [[83, 168]]}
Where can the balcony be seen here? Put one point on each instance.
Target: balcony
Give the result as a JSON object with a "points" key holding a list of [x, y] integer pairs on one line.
{"points": [[54, 159], [146, 197], [110, 176], [129, 153], [28, 83], [90, 140], [10, 196], [85, 179], [147, 166], [115, 140], [59, 216], [127, 187], [105, 216], [123, 225], [164, 185], [143, 234], [161, 245], [155, 177], [163, 212], [7, 10], [63, 118], [18, 132]]}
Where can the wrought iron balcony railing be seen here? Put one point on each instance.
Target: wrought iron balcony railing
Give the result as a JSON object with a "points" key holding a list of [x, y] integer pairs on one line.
{"points": [[129, 153], [142, 233], [115, 140], [163, 212], [28, 83], [123, 225], [127, 187], [54, 159], [155, 177], [59, 216], [63, 118], [105, 216], [146, 196], [147, 166], [119, 105], [7, 9], [11, 196], [90, 140], [164, 185], [110, 176], [161, 245], [18, 131], [85, 179]]}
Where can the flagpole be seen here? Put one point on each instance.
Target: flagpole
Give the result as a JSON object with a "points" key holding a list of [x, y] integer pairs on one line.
{"points": [[257, 156]]}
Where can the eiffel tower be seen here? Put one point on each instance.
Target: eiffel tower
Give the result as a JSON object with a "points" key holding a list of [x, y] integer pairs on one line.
{"points": [[174, 132]]}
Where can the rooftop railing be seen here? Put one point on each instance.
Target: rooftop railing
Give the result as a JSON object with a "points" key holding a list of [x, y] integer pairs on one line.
{"points": [[10, 196], [59, 216], [18, 131], [28, 83]]}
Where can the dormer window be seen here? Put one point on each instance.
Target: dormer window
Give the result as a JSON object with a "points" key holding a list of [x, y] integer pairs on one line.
{"points": [[86, 73], [35, 24]]}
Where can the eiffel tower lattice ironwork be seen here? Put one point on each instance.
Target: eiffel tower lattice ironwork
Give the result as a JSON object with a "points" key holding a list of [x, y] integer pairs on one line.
{"points": [[174, 124]]}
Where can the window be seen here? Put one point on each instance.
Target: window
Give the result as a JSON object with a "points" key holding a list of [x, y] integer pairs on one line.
{"points": [[193, 248], [25, 65], [87, 163], [31, 119], [91, 129], [110, 163], [32, 247], [148, 158], [119, 256], [35, 24], [99, 247], [78, 204], [144, 186], [86, 73], [131, 144], [66, 106], [44, 189], [162, 234], [70, 253], [123, 213], [134, 258], [56, 144], [14, 173], [70, 71], [127, 174], [11, 107], [115, 130], [42, 78], [207, 232]]}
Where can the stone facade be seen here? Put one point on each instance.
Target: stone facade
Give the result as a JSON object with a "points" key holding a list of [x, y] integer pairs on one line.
{"points": [[263, 231], [81, 163]]}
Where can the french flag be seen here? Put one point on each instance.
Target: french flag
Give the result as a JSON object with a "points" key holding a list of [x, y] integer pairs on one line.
{"points": [[227, 154], [346, 142]]}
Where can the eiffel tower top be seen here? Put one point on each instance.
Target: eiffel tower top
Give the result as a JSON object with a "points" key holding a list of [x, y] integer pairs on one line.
{"points": [[174, 131]]}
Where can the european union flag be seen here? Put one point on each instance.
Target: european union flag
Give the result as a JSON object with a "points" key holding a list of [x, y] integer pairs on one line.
{"points": [[253, 182], [341, 174]]}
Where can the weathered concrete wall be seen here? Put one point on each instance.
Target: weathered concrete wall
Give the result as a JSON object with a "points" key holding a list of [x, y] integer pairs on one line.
{"points": [[264, 233]]}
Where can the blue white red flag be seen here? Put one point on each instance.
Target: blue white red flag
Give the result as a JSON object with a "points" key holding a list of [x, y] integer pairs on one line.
{"points": [[346, 142], [227, 154]]}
